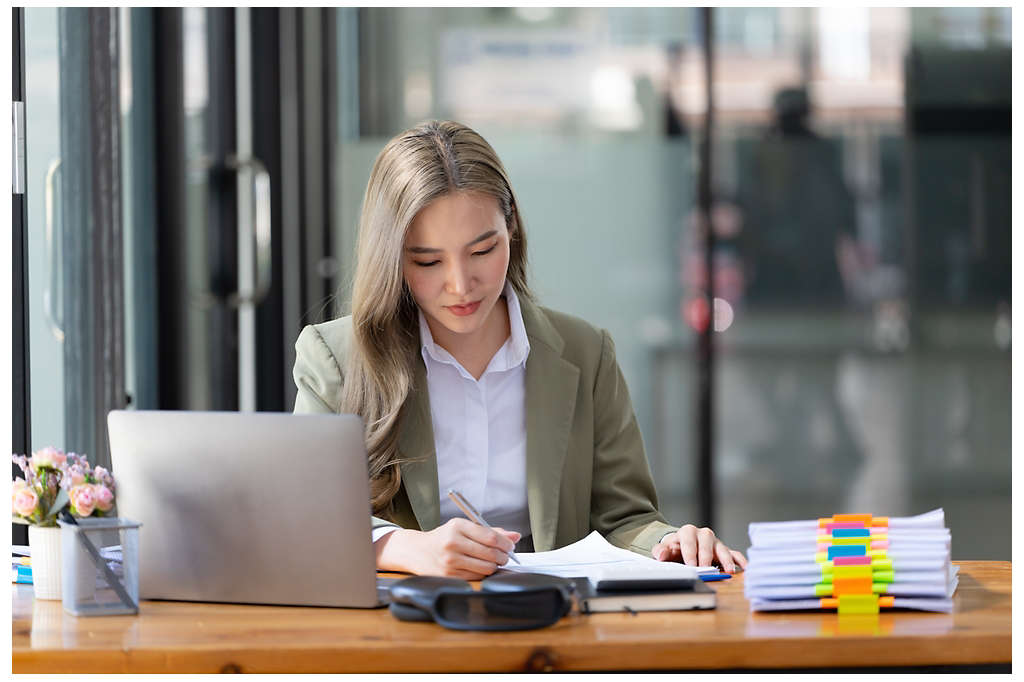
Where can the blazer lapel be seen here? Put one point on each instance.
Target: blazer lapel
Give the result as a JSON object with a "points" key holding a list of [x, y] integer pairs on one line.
{"points": [[551, 385], [416, 443]]}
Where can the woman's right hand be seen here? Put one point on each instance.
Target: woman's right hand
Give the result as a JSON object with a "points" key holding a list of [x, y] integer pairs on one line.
{"points": [[457, 549]]}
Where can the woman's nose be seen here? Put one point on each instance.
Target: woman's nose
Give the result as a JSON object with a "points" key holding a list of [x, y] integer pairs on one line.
{"points": [[457, 280]]}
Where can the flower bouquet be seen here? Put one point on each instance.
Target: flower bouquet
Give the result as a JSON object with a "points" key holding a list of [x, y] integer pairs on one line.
{"points": [[52, 481]]}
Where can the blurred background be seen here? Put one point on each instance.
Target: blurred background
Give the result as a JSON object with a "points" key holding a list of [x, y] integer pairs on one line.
{"points": [[194, 179]]}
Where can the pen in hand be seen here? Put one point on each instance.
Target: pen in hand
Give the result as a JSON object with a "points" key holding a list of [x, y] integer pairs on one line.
{"points": [[473, 515]]}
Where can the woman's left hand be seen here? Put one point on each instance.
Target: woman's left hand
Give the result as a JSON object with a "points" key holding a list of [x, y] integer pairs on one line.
{"points": [[698, 547]]}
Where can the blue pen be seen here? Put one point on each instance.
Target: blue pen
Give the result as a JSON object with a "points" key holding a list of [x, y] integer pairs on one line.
{"points": [[711, 577]]}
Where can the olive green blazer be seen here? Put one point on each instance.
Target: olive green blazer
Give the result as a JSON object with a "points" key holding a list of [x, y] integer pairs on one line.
{"points": [[585, 464]]}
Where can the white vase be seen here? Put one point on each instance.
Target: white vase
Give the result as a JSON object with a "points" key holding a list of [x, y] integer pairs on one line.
{"points": [[45, 545]]}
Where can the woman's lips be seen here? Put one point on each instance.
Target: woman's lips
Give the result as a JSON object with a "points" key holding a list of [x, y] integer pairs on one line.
{"points": [[463, 310]]}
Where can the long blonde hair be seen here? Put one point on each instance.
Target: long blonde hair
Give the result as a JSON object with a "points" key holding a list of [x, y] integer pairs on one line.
{"points": [[414, 168]]}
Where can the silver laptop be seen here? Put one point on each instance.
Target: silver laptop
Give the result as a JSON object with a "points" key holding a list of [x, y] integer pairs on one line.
{"points": [[261, 508]]}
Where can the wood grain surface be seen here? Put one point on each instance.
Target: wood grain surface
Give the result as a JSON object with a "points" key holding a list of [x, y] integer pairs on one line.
{"points": [[197, 638]]}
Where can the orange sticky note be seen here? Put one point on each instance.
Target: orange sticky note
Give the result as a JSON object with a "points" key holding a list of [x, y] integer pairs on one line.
{"points": [[842, 586]]}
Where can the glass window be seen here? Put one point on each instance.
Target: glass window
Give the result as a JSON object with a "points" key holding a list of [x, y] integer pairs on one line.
{"points": [[45, 254], [861, 266], [576, 102], [75, 258]]}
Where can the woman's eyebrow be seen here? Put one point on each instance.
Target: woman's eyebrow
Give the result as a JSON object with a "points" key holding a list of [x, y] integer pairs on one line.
{"points": [[426, 249]]}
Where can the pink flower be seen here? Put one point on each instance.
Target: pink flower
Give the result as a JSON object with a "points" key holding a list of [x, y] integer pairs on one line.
{"points": [[104, 498], [24, 500], [76, 475], [83, 500], [103, 476], [49, 457]]}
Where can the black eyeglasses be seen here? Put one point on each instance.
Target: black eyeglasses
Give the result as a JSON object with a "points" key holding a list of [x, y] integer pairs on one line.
{"points": [[514, 601]]}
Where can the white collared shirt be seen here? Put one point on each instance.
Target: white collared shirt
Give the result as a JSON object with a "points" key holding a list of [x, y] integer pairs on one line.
{"points": [[480, 427]]}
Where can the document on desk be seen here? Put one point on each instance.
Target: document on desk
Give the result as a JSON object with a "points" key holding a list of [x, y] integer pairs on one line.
{"points": [[593, 556]]}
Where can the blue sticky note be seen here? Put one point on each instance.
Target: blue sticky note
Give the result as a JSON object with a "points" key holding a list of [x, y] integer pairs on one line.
{"points": [[846, 550], [851, 532]]}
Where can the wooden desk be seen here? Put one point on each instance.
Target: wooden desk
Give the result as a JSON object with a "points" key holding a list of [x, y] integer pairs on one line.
{"points": [[183, 637]]}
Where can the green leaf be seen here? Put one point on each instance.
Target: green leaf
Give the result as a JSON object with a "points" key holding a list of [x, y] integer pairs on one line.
{"points": [[59, 503]]}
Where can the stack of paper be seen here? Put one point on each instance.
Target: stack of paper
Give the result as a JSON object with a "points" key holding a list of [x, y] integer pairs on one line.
{"points": [[854, 562], [21, 565]]}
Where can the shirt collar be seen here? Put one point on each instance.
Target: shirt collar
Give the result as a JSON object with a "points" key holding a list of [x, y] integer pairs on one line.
{"points": [[512, 354], [519, 342]]}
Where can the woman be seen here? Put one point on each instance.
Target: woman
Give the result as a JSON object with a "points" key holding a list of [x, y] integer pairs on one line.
{"points": [[463, 382]]}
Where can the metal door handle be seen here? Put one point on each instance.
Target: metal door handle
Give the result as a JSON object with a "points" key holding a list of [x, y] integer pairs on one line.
{"points": [[52, 291], [261, 229]]}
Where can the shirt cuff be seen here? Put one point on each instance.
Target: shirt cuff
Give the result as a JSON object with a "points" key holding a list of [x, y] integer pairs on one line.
{"points": [[380, 531]]}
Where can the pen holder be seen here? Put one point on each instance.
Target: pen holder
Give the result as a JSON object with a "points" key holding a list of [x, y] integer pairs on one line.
{"points": [[100, 567]]}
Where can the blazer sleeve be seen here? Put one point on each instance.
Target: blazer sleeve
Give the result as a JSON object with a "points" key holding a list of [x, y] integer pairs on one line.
{"points": [[624, 502], [317, 375], [319, 379]]}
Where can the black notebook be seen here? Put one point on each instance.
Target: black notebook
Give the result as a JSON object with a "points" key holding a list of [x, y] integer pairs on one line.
{"points": [[696, 596]]}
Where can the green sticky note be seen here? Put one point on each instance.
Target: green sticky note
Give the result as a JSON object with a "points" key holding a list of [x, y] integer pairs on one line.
{"points": [[858, 603]]}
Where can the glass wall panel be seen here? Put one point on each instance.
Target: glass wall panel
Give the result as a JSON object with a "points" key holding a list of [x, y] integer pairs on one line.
{"points": [[575, 101], [865, 204], [73, 227], [43, 193], [861, 263]]}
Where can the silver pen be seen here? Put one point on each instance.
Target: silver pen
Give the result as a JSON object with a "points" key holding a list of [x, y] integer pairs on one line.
{"points": [[473, 515]]}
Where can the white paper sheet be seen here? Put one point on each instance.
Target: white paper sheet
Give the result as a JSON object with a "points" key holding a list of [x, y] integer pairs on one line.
{"points": [[592, 555]]}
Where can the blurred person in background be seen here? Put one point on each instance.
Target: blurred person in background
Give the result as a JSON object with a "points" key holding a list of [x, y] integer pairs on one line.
{"points": [[799, 218]]}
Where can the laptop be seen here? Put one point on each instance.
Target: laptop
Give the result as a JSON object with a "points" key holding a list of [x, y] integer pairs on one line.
{"points": [[254, 508]]}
